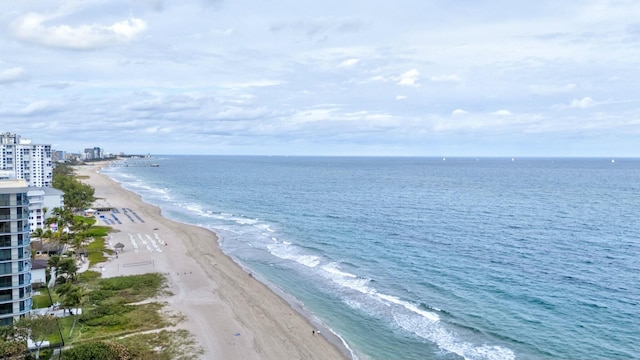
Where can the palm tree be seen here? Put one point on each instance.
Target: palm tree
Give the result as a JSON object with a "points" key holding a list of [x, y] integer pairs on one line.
{"points": [[37, 233], [54, 264], [54, 261], [62, 290], [67, 271], [73, 299]]}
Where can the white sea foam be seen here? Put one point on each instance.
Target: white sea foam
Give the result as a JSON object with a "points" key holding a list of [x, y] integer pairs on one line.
{"points": [[194, 208], [409, 306], [334, 268], [265, 227], [448, 341], [333, 272], [245, 221], [357, 284], [288, 252]]}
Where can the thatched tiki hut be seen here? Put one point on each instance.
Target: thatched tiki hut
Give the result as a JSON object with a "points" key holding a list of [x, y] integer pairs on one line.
{"points": [[119, 246]]}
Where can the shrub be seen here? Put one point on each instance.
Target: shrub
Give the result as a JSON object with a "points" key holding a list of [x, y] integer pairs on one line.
{"points": [[88, 276], [97, 351]]}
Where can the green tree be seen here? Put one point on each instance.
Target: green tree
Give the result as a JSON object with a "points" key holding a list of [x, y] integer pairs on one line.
{"points": [[10, 346], [77, 195], [71, 297], [36, 329], [67, 270], [37, 233]]}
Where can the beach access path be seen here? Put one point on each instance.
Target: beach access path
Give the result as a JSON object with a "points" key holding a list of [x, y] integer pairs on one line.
{"points": [[231, 314]]}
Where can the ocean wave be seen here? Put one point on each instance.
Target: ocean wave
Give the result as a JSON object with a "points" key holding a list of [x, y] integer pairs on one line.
{"points": [[447, 340], [289, 252]]}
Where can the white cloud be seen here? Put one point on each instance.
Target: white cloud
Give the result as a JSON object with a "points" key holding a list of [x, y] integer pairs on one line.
{"points": [[241, 77], [582, 103], [128, 28], [33, 27], [12, 75], [441, 78], [501, 113], [409, 78], [32, 108], [379, 78], [349, 63]]}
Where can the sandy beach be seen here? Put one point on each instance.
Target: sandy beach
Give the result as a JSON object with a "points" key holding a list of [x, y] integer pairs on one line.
{"points": [[231, 314]]}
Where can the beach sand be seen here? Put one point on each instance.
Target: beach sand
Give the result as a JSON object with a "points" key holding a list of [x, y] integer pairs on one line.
{"points": [[231, 314]]}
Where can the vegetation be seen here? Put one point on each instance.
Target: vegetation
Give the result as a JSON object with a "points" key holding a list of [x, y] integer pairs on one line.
{"points": [[99, 350], [114, 310], [36, 329], [9, 347], [77, 195], [41, 301], [95, 251], [163, 345]]}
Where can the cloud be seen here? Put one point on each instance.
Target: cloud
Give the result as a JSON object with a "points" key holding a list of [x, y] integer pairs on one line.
{"points": [[459, 112], [409, 78], [319, 29], [552, 89], [12, 75], [501, 113], [348, 63], [56, 85], [582, 103], [401, 97], [33, 27], [442, 78], [37, 107]]}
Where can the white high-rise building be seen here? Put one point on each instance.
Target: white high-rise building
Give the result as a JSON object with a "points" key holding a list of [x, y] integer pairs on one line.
{"points": [[25, 160], [15, 253]]}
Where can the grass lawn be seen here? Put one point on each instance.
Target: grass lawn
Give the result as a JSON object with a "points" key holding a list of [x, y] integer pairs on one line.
{"points": [[41, 300], [96, 250]]}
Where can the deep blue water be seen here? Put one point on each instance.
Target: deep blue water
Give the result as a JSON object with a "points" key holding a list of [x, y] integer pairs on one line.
{"points": [[421, 258]]}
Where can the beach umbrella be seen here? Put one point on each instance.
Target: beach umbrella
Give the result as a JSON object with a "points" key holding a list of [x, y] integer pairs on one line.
{"points": [[119, 246]]}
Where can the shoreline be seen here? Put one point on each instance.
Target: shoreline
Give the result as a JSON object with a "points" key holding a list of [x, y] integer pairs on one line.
{"points": [[231, 313]]}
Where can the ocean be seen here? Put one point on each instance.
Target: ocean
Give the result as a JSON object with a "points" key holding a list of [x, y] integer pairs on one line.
{"points": [[428, 258]]}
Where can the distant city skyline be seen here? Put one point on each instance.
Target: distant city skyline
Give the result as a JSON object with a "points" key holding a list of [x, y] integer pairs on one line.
{"points": [[416, 78]]}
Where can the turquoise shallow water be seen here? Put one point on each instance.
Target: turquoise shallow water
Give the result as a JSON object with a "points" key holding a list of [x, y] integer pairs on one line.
{"points": [[420, 258]]}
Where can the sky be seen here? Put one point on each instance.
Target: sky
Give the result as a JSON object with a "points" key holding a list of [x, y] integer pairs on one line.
{"points": [[291, 77]]}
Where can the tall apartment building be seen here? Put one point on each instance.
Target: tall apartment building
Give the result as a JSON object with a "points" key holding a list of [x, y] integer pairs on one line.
{"points": [[94, 153], [15, 254], [31, 162]]}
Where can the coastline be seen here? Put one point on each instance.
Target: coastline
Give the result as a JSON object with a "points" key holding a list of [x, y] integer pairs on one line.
{"points": [[230, 312]]}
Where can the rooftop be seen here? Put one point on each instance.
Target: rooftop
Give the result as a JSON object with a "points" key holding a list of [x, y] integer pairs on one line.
{"points": [[8, 184]]}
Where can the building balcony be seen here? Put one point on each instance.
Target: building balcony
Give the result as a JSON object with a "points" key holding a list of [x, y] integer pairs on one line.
{"points": [[14, 217]]}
